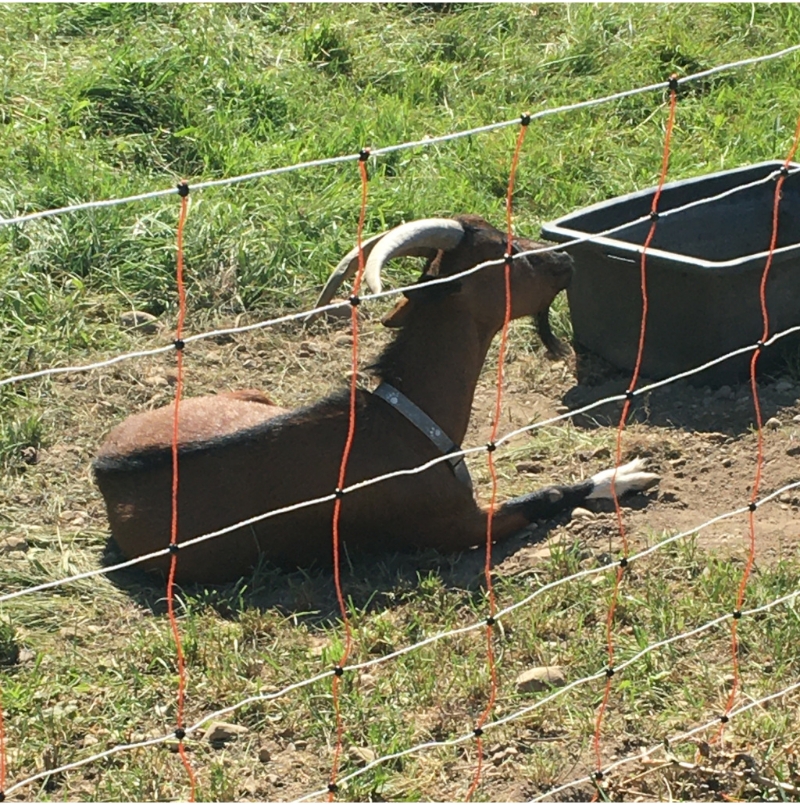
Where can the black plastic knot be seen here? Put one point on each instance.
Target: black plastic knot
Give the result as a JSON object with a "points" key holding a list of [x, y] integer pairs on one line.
{"points": [[333, 788], [623, 562], [174, 547], [724, 719], [598, 775], [490, 621], [760, 345], [491, 447], [477, 732], [363, 155], [354, 300], [338, 670], [629, 394], [784, 171], [339, 493], [751, 507], [508, 259], [2, 796], [737, 613], [610, 671], [183, 189], [179, 344], [525, 119], [180, 733], [654, 215], [673, 82]]}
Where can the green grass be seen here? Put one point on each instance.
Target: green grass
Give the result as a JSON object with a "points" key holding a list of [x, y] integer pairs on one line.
{"points": [[109, 99]]}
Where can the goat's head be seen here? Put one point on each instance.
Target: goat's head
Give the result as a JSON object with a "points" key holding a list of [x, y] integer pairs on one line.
{"points": [[454, 245]]}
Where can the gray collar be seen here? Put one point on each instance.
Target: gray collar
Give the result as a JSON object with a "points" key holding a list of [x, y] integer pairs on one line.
{"points": [[417, 417]]}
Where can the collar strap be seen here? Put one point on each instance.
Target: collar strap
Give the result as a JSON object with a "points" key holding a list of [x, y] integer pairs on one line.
{"points": [[417, 417]]}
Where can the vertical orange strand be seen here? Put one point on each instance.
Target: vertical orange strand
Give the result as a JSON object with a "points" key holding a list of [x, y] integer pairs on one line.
{"points": [[624, 417], [337, 505], [495, 426], [751, 556], [174, 529]]}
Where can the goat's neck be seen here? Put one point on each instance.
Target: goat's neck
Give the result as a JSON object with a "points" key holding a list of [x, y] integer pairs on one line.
{"points": [[436, 362]]}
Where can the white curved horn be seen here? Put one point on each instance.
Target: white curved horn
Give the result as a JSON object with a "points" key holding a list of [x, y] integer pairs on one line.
{"points": [[346, 268], [414, 238]]}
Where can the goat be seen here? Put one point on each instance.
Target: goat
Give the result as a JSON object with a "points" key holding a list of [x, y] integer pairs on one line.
{"points": [[241, 455]]}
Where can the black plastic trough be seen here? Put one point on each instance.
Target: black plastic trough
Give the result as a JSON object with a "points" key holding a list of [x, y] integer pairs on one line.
{"points": [[704, 269]]}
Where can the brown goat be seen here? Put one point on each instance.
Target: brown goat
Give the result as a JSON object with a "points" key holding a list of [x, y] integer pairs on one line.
{"points": [[241, 456]]}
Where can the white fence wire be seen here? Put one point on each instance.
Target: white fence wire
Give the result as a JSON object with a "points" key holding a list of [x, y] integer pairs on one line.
{"points": [[21, 219], [680, 738], [376, 152]]}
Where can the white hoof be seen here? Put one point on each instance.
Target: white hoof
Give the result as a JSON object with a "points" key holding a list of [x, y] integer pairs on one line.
{"points": [[630, 478]]}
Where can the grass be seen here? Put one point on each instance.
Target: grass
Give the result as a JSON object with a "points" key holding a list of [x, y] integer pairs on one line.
{"points": [[108, 99]]}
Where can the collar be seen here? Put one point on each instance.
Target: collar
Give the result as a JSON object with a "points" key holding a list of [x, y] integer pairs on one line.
{"points": [[417, 417]]}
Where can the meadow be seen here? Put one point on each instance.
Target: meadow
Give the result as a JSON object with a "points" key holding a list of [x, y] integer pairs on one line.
{"points": [[108, 99]]}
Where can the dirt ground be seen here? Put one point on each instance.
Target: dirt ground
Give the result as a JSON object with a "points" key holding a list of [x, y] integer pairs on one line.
{"points": [[700, 440]]}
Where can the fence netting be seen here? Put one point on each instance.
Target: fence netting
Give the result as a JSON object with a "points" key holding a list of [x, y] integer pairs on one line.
{"points": [[612, 670]]}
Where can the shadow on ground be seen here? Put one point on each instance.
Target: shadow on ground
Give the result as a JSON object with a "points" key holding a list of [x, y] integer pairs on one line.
{"points": [[724, 409], [370, 582]]}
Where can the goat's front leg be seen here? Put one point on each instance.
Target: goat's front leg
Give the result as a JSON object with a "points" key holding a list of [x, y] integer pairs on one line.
{"points": [[517, 513]]}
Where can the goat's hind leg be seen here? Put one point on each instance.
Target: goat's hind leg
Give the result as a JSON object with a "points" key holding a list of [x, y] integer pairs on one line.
{"points": [[519, 512]]}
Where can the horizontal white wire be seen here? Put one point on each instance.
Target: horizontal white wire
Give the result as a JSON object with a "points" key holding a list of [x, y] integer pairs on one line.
{"points": [[671, 741], [423, 143], [556, 694], [306, 314], [463, 630]]}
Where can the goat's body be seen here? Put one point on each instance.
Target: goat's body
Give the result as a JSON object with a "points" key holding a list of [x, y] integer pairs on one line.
{"points": [[240, 456], [246, 472]]}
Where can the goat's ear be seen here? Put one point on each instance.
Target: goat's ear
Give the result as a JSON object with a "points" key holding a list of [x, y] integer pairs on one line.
{"points": [[398, 316]]}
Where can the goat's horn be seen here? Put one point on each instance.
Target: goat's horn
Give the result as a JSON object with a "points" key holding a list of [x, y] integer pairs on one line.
{"points": [[346, 268], [412, 239]]}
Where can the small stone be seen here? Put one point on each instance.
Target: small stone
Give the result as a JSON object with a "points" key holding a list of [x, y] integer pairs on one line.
{"points": [[156, 380], [579, 512], [793, 451], [30, 455], [13, 544], [264, 755], [723, 392], [796, 418], [727, 462], [221, 732], [784, 385], [139, 320], [773, 423], [601, 452], [25, 656], [562, 409], [361, 755], [89, 740], [529, 466], [542, 678], [343, 340]]}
